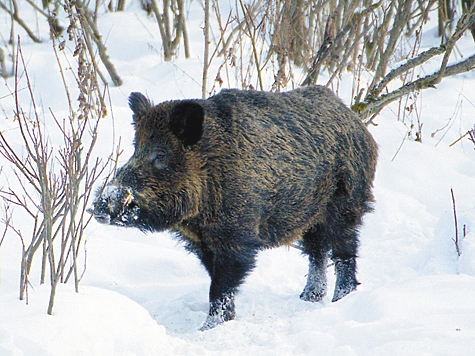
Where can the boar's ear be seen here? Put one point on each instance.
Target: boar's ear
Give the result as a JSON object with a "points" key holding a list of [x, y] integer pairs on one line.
{"points": [[139, 105], [186, 122]]}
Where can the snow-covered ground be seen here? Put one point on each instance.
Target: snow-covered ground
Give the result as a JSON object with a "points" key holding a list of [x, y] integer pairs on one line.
{"points": [[144, 295]]}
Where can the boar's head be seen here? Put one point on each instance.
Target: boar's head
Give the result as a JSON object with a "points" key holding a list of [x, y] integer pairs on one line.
{"points": [[160, 185]]}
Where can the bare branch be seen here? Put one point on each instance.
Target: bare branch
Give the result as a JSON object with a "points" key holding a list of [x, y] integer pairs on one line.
{"points": [[163, 20], [331, 40], [400, 21], [248, 19], [16, 17], [374, 102], [91, 30], [410, 64], [369, 107], [465, 22]]}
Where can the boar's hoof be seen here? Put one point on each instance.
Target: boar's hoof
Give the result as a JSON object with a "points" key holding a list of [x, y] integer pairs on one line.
{"points": [[345, 278], [316, 287], [340, 292], [220, 311], [313, 295]]}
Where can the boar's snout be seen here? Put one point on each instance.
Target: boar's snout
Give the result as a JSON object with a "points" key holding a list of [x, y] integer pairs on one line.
{"points": [[101, 211], [115, 206]]}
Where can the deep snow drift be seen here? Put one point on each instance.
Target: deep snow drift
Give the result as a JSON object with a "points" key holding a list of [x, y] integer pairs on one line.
{"points": [[144, 295]]}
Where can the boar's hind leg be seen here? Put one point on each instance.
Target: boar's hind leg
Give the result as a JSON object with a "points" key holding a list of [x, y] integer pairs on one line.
{"points": [[317, 249], [227, 270], [344, 237], [345, 278]]}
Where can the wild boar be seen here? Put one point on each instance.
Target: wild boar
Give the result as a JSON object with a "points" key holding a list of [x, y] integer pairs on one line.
{"points": [[245, 171]]}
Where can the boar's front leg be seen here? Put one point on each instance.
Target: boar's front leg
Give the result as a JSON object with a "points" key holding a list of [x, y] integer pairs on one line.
{"points": [[227, 268]]}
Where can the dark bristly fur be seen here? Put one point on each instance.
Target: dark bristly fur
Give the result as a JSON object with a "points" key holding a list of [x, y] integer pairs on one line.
{"points": [[244, 171]]}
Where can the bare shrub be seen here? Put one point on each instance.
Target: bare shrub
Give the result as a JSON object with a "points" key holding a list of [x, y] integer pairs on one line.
{"points": [[54, 182]]}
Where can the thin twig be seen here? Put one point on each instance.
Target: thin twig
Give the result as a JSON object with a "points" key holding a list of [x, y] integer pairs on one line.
{"points": [[456, 240], [247, 17], [91, 30], [206, 50]]}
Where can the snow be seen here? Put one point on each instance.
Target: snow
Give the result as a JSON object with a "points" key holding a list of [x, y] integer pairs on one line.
{"points": [[119, 326], [143, 294]]}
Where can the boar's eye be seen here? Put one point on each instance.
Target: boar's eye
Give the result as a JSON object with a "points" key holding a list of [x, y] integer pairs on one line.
{"points": [[160, 160]]}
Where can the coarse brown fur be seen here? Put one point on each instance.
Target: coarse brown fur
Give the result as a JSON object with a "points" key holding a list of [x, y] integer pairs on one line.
{"points": [[248, 170]]}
